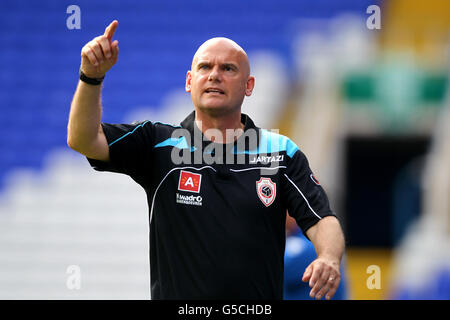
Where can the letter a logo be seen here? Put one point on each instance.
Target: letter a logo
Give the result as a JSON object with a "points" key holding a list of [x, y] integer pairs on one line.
{"points": [[189, 181]]}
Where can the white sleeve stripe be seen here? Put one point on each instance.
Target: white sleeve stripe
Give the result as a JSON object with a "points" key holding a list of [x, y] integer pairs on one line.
{"points": [[303, 197]]}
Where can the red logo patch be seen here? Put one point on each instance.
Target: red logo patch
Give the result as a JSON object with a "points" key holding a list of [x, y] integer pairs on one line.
{"points": [[189, 181]]}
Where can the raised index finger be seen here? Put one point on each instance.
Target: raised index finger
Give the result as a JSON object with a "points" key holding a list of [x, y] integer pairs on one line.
{"points": [[109, 31]]}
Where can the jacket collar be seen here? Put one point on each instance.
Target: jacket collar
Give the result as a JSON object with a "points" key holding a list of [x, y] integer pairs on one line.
{"points": [[197, 138]]}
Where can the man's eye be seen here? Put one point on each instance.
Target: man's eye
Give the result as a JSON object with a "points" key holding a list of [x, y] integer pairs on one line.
{"points": [[204, 67]]}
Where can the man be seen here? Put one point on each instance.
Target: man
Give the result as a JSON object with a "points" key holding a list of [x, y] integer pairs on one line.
{"points": [[217, 228]]}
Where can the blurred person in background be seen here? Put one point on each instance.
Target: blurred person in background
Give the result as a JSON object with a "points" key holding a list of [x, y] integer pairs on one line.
{"points": [[213, 235], [299, 254]]}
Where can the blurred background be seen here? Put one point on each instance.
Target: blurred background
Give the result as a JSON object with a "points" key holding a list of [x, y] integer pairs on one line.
{"points": [[369, 106]]}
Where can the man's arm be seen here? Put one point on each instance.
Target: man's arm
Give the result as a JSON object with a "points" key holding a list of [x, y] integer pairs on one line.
{"points": [[84, 130], [323, 273]]}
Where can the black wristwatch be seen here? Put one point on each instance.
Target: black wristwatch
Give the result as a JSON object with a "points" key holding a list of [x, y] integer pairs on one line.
{"points": [[93, 81]]}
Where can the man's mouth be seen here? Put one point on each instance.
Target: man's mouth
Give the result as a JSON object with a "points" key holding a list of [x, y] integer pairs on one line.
{"points": [[214, 90]]}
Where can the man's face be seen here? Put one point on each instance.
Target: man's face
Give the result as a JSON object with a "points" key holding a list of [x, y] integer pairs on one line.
{"points": [[219, 78]]}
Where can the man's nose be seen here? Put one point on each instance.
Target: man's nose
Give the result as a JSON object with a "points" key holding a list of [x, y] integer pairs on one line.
{"points": [[214, 75]]}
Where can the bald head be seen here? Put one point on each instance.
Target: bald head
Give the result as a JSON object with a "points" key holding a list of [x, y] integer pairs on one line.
{"points": [[219, 78], [226, 46]]}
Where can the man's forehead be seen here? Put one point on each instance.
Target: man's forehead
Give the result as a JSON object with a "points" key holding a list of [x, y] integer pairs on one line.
{"points": [[223, 59], [219, 48]]}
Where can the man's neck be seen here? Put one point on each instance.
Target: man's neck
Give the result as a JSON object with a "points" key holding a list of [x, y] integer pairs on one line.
{"points": [[220, 129]]}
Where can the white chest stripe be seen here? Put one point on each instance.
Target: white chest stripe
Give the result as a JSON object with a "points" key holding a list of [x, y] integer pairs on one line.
{"points": [[157, 188], [257, 168], [303, 197]]}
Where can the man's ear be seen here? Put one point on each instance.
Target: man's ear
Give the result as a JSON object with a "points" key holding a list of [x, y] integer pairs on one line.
{"points": [[250, 86], [188, 81]]}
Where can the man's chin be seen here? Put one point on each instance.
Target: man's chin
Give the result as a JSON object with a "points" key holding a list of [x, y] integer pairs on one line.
{"points": [[215, 110]]}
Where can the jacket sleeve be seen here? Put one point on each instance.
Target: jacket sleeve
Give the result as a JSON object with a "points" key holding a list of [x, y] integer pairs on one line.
{"points": [[130, 147], [305, 198]]}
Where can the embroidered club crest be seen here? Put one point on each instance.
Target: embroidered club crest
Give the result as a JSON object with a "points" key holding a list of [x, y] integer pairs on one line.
{"points": [[266, 190]]}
